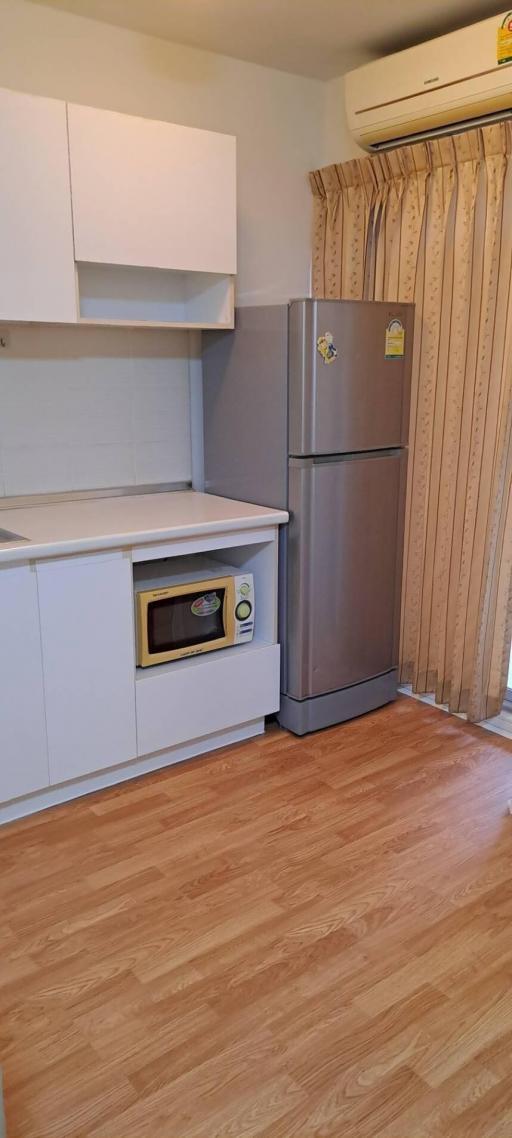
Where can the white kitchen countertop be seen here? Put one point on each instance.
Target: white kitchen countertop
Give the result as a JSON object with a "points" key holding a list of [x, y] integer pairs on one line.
{"points": [[105, 523]]}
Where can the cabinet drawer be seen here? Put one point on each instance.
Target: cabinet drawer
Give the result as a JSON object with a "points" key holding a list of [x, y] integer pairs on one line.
{"points": [[192, 698]]}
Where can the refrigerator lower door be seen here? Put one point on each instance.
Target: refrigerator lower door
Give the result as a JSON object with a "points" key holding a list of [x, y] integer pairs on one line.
{"points": [[344, 559]]}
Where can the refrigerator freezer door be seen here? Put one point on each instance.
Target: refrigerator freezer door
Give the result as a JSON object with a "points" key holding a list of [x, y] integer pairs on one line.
{"points": [[344, 394], [344, 570]]}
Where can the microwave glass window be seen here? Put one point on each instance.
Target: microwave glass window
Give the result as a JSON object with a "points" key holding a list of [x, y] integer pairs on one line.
{"points": [[186, 620]]}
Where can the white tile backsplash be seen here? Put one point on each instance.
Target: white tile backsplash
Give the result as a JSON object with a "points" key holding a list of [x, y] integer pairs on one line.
{"points": [[106, 464], [160, 408], [84, 408], [156, 462], [36, 470]]}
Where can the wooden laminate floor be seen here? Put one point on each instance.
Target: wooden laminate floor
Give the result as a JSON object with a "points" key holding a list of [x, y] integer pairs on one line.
{"points": [[290, 938]]}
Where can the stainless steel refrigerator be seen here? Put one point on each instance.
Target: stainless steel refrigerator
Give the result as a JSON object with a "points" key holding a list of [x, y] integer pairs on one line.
{"points": [[306, 407]]}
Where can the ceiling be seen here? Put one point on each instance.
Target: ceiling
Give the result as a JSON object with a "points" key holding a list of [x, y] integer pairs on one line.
{"points": [[320, 38]]}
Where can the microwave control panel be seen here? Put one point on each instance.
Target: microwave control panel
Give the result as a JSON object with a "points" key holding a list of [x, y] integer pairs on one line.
{"points": [[244, 608]]}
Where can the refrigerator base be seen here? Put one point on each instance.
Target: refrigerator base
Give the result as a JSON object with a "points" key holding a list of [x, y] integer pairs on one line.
{"points": [[301, 716]]}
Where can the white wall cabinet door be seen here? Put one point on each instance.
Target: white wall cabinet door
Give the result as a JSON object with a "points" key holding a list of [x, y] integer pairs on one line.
{"points": [[23, 752], [151, 193], [37, 271], [89, 663]]}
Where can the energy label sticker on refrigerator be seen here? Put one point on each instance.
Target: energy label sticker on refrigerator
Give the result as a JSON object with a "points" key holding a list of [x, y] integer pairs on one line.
{"points": [[395, 340]]}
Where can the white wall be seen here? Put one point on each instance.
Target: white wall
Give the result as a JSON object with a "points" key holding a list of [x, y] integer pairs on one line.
{"points": [[84, 408], [339, 146]]}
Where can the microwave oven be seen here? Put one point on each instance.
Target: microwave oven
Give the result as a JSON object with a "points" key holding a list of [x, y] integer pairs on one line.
{"points": [[189, 605]]}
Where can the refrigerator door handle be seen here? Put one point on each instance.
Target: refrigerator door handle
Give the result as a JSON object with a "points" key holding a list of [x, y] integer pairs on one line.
{"points": [[302, 461]]}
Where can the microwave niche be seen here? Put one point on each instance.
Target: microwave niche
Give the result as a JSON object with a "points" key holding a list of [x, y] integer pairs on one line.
{"points": [[201, 606]]}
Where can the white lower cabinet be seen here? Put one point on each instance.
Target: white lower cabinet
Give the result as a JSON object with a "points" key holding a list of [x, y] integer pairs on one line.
{"points": [[87, 636], [72, 702], [23, 753], [199, 696]]}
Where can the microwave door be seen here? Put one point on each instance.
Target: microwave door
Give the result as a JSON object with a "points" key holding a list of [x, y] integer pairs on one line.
{"points": [[186, 620], [182, 621]]}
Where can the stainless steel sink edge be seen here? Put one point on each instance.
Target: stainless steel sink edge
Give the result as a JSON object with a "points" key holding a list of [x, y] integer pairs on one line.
{"points": [[6, 537]]}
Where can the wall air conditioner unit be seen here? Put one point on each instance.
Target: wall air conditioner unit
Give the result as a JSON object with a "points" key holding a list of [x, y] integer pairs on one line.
{"points": [[451, 83]]}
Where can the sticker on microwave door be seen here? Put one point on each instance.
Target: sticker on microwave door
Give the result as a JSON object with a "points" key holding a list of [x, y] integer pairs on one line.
{"points": [[395, 340], [504, 44], [326, 347], [206, 605]]}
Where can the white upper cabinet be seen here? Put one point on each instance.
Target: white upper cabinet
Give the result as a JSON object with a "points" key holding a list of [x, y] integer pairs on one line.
{"points": [[37, 272], [151, 194], [107, 218]]}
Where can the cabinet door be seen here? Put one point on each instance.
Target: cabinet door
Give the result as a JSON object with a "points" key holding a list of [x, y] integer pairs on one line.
{"points": [[89, 666], [37, 271], [151, 193], [23, 753]]}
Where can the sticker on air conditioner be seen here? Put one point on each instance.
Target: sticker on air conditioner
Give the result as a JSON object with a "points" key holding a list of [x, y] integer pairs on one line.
{"points": [[504, 44]]}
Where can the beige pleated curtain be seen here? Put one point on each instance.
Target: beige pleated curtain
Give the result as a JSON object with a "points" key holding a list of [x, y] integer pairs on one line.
{"points": [[432, 223]]}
